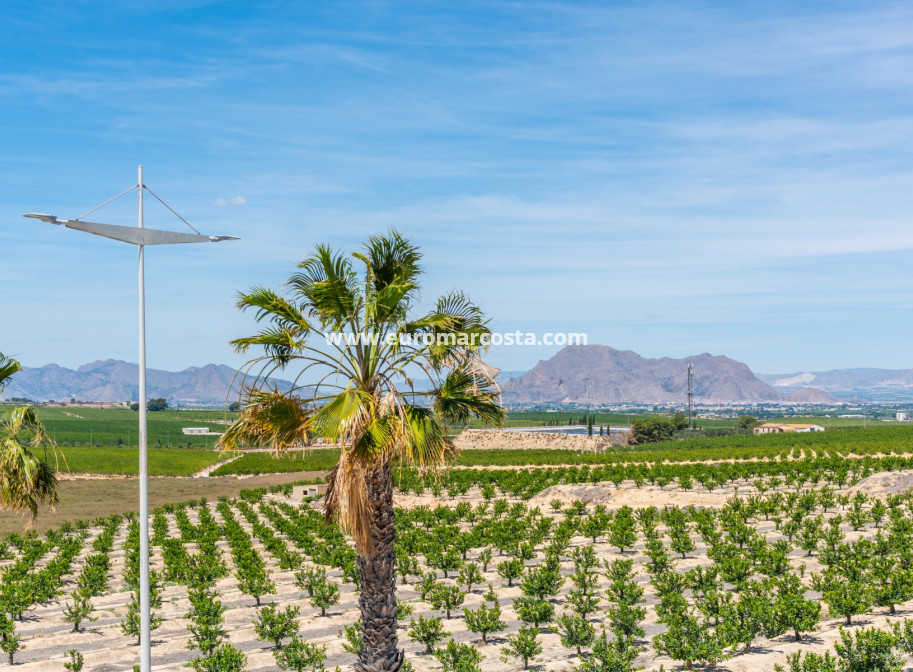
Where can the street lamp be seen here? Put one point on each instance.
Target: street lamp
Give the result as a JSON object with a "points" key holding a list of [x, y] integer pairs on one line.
{"points": [[140, 237]]}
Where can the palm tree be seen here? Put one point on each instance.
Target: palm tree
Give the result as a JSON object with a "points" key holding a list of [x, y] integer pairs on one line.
{"points": [[26, 479], [352, 335]]}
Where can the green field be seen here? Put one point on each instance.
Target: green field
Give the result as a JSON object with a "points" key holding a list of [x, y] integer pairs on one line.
{"points": [[102, 427], [124, 461], [103, 441], [108, 427], [318, 459], [878, 439], [570, 418]]}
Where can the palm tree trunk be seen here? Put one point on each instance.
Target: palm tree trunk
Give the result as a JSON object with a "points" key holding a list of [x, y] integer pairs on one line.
{"points": [[381, 651]]}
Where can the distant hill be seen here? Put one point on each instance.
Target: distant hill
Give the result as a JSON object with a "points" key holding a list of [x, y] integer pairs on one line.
{"points": [[600, 374], [810, 395], [869, 384], [114, 380]]}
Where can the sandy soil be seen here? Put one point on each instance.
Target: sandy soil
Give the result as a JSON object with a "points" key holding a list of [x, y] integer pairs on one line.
{"points": [[47, 637], [628, 494], [885, 484], [106, 650]]}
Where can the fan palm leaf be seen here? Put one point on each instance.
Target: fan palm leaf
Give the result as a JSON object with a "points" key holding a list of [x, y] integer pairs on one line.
{"points": [[27, 479]]}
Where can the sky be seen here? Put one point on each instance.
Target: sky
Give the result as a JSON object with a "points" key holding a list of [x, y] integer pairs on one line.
{"points": [[669, 177]]}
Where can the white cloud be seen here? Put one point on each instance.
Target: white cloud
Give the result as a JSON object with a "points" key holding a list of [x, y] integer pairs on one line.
{"points": [[234, 200]]}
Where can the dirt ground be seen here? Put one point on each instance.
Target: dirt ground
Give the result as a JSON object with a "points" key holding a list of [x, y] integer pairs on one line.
{"points": [[489, 439], [47, 636], [90, 498], [884, 484], [628, 494]]}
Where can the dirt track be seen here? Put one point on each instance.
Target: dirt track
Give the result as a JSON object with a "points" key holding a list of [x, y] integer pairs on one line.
{"points": [[89, 498]]}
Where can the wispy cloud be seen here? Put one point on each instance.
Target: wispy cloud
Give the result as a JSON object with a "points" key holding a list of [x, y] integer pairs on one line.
{"points": [[660, 174], [234, 200]]}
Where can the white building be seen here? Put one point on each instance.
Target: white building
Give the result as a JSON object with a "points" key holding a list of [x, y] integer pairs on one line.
{"points": [[198, 431], [781, 428], [902, 416]]}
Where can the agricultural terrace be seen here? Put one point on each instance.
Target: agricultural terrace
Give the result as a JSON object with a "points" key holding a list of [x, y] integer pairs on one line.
{"points": [[495, 572]]}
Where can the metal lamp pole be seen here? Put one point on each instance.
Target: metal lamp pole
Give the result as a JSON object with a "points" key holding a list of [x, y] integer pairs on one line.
{"points": [[140, 237], [145, 610]]}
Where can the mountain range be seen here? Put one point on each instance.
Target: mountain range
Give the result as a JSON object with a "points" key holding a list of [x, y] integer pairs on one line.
{"points": [[587, 374], [115, 380], [597, 374], [871, 384]]}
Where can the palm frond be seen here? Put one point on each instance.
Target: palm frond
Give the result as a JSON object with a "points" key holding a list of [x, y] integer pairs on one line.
{"points": [[463, 313], [373, 440], [465, 394], [8, 366], [279, 343], [344, 416], [269, 304], [327, 282], [425, 443], [24, 420], [270, 419], [26, 480], [393, 259], [391, 302], [459, 328]]}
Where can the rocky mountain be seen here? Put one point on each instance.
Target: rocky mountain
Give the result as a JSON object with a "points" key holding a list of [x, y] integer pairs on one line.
{"points": [[114, 380], [600, 374], [870, 384]]}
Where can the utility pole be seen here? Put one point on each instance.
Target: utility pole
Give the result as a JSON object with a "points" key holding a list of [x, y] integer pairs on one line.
{"points": [[690, 394]]}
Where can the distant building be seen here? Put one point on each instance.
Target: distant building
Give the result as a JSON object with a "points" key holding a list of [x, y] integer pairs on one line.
{"points": [[781, 428], [902, 416], [199, 431]]}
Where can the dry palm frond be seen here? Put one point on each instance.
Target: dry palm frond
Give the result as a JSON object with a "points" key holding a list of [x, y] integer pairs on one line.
{"points": [[270, 419], [26, 480], [346, 500]]}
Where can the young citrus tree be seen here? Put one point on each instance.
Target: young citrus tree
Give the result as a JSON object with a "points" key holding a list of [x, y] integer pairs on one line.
{"points": [[348, 325]]}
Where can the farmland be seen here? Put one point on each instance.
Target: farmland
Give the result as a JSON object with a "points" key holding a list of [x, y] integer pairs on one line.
{"points": [[884, 439], [879, 440], [76, 425], [523, 418], [736, 551], [123, 461], [79, 426], [778, 557]]}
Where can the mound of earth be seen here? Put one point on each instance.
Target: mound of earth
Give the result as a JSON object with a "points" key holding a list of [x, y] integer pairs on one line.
{"points": [[613, 498], [488, 439], [884, 484]]}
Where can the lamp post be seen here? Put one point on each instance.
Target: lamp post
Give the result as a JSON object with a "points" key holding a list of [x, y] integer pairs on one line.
{"points": [[141, 237]]}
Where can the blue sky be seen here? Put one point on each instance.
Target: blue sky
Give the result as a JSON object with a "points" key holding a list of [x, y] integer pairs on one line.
{"points": [[669, 177]]}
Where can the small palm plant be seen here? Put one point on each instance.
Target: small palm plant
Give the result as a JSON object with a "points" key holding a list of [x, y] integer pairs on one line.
{"points": [[348, 324], [27, 478]]}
